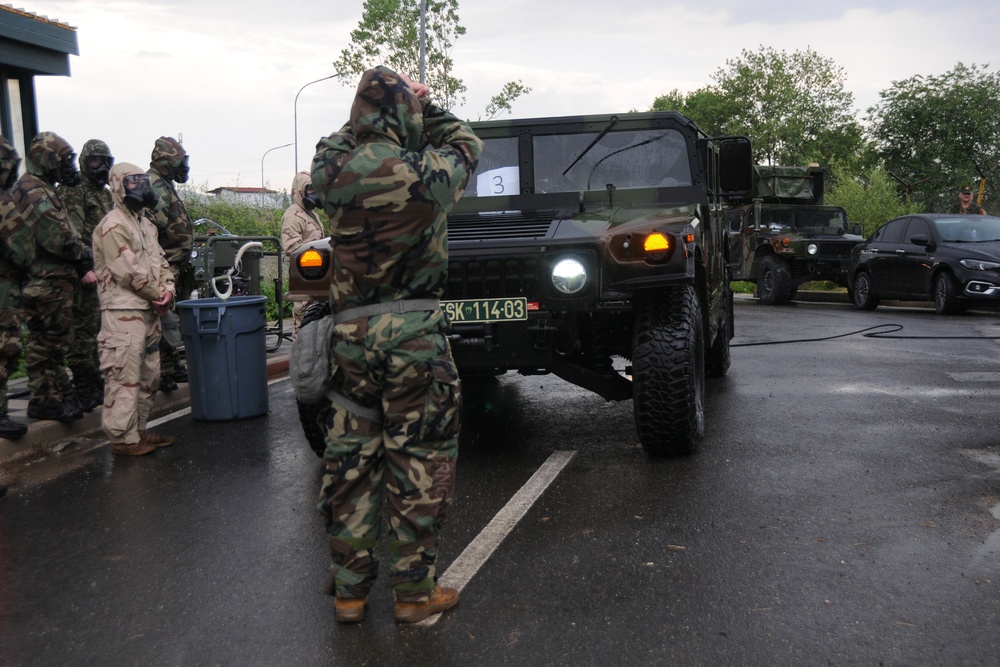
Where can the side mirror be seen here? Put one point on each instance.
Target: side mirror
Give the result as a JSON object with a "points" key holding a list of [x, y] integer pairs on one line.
{"points": [[858, 229], [922, 240]]}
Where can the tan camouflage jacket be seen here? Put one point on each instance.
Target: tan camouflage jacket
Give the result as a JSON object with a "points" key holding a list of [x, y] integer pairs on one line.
{"points": [[132, 269], [299, 226]]}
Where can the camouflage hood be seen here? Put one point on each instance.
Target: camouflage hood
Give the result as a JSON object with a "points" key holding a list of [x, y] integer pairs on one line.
{"points": [[167, 156], [386, 108], [299, 183], [8, 159], [45, 154], [117, 183], [92, 147]]}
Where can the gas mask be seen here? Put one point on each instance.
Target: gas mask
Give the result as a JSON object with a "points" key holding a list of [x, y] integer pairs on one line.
{"points": [[310, 199], [68, 175], [98, 167], [139, 193], [182, 171]]}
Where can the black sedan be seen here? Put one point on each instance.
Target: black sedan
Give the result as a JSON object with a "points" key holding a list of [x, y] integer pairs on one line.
{"points": [[952, 260]]}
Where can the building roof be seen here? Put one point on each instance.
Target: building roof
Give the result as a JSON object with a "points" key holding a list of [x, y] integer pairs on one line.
{"points": [[244, 191], [35, 43]]}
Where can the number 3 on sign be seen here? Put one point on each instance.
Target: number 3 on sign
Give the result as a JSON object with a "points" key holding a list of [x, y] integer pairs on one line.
{"points": [[497, 182]]}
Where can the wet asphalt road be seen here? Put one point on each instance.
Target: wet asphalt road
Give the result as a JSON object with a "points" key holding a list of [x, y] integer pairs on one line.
{"points": [[844, 509]]}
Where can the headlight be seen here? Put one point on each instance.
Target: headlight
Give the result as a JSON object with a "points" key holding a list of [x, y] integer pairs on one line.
{"points": [[979, 264], [569, 275], [812, 249]]}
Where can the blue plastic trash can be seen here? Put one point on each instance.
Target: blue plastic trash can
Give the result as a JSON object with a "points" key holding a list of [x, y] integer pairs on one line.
{"points": [[226, 356]]}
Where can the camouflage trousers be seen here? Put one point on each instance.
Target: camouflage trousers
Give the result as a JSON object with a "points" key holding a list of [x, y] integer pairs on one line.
{"points": [[86, 325], [48, 307], [406, 462], [10, 354], [171, 357], [130, 361]]}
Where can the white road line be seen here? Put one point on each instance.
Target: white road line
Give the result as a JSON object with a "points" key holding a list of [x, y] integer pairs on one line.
{"points": [[166, 418], [486, 542]]}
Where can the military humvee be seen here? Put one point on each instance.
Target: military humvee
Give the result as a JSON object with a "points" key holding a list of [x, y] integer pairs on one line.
{"points": [[785, 236], [584, 239]]}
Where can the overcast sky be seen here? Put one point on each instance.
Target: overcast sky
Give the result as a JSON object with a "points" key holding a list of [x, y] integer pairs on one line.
{"points": [[224, 73]]}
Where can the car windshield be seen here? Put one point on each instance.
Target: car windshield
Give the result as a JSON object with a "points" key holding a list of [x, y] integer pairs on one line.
{"points": [[811, 219], [968, 228], [627, 160]]}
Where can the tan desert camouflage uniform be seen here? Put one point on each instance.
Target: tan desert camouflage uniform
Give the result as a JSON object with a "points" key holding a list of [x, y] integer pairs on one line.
{"points": [[132, 272], [388, 203], [298, 227]]}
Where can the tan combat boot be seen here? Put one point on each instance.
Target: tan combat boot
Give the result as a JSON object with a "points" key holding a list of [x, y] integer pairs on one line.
{"points": [[132, 449], [351, 610], [147, 438], [441, 599]]}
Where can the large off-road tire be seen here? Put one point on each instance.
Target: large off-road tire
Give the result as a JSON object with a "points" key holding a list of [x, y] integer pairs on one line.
{"points": [[863, 292], [668, 372], [309, 414], [718, 358], [774, 281], [945, 294]]}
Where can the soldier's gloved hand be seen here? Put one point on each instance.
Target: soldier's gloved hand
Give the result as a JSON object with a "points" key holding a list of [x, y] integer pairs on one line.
{"points": [[162, 305], [89, 279]]}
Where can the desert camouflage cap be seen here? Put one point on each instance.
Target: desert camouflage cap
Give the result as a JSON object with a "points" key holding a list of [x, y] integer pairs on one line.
{"points": [[45, 153], [94, 147], [167, 151]]}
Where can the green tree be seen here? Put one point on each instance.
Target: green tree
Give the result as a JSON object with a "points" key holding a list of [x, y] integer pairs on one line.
{"points": [[939, 128], [793, 106], [389, 34], [871, 198]]}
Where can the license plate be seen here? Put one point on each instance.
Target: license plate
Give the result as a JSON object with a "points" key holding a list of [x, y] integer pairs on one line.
{"points": [[486, 310]]}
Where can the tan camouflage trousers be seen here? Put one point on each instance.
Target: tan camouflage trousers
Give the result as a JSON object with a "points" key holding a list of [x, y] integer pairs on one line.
{"points": [[404, 466], [48, 308], [128, 346]]}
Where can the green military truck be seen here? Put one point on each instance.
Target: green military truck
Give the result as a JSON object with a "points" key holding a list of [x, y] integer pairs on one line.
{"points": [[585, 240], [784, 236]]}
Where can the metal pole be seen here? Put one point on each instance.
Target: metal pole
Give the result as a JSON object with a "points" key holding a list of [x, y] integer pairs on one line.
{"points": [[262, 169], [296, 115], [423, 39]]}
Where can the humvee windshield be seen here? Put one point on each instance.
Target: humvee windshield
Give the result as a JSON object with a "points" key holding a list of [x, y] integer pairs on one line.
{"points": [[627, 159], [811, 219]]}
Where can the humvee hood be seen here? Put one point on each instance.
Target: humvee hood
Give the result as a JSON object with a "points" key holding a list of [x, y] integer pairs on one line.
{"points": [[385, 107]]}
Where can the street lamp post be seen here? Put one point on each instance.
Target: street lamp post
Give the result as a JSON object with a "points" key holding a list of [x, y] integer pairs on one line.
{"points": [[262, 168], [296, 114]]}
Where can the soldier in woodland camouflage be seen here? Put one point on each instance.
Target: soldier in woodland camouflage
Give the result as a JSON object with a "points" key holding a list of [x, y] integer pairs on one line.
{"points": [[10, 288], [136, 287], [169, 165], [61, 262], [300, 225], [86, 205], [392, 425]]}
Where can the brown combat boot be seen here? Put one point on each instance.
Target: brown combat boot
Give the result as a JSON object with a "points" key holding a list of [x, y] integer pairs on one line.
{"points": [[350, 610], [441, 599], [147, 438], [132, 449]]}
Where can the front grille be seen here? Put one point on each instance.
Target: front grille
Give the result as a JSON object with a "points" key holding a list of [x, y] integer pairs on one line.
{"points": [[497, 226], [495, 278], [835, 250]]}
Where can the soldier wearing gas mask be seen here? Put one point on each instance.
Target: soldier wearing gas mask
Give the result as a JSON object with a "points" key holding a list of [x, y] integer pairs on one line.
{"points": [[86, 205], [300, 225], [10, 288], [136, 288], [169, 165], [61, 262]]}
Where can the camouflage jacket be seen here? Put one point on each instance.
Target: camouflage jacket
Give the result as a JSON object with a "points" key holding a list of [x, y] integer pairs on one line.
{"points": [[86, 205], [388, 200], [47, 246], [176, 233], [10, 275], [131, 268]]}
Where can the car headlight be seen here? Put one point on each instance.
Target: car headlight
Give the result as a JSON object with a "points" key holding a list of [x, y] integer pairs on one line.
{"points": [[569, 275], [979, 264], [812, 249]]}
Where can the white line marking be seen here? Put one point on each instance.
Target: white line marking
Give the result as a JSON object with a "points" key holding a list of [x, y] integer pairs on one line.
{"points": [[166, 418], [486, 542]]}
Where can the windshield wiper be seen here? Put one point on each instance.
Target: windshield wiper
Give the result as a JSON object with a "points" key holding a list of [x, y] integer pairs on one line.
{"points": [[611, 124], [620, 150]]}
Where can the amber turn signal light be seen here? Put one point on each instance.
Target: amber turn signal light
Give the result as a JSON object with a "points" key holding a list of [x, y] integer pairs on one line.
{"points": [[656, 242]]}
